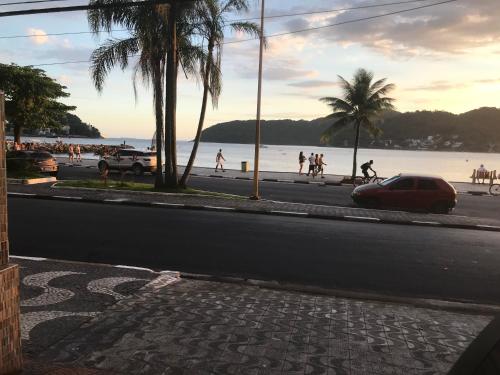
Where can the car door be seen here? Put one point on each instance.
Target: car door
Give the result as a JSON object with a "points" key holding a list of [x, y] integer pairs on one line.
{"points": [[401, 193]]}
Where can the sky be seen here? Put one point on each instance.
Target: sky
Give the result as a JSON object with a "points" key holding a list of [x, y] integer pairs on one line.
{"points": [[444, 57]]}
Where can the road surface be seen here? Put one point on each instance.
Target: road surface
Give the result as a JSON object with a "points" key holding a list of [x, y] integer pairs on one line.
{"points": [[398, 260]]}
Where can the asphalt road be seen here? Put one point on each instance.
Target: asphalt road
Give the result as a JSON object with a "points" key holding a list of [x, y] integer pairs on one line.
{"points": [[468, 205], [399, 260]]}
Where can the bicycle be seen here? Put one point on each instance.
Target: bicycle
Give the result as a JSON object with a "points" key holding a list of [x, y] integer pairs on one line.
{"points": [[362, 180], [495, 189]]}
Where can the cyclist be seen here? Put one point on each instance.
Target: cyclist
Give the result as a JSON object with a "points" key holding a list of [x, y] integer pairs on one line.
{"points": [[365, 167]]}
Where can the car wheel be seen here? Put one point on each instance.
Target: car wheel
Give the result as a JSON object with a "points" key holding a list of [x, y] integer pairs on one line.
{"points": [[103, 166], [440, 208], [137, 169]]}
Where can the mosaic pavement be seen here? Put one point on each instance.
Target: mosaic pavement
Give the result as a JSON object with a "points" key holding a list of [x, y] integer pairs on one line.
{"points": [[57, 297], [199, 327]]}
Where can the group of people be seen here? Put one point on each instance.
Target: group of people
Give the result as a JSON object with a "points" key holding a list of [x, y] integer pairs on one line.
{"points": [[316, 164], [74, 151]]}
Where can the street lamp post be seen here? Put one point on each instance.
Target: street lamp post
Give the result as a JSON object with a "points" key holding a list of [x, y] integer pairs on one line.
{"points": [[259, 99]]}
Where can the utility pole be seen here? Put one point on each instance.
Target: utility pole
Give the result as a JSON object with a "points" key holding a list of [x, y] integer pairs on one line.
{"points": [[255, 195]]}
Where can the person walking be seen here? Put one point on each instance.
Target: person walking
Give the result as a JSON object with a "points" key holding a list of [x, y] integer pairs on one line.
{"points": [[316, 165], [321, 164], [312, 164], [71, 153], [78, 154], [302, 160], [219, 159]]}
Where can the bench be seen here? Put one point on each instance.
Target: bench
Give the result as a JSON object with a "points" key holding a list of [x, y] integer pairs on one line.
{"points": [[479, 175]]}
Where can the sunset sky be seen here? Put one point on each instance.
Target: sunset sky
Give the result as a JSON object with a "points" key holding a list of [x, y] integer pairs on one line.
{"points": [[445, 57]]}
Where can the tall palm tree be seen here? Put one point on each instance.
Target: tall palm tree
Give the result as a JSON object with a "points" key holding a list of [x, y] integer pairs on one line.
{"points": [[148, 26], [361, 105], [145, 24], [212, 21]]}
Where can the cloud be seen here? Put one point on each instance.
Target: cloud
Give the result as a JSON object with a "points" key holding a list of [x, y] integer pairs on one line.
{"points": [[38, 36], [450, 28], [448, 85], [313, 84]]}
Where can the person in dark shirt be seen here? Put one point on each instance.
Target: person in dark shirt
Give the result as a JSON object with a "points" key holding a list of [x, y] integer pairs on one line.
{"points": [[365, 167]]}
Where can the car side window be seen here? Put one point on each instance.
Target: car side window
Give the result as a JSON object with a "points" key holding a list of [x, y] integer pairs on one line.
{"points": [[124, 153], [403, 184], [427, 184]]}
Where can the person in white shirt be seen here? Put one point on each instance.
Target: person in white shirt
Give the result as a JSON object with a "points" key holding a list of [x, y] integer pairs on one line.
{"points": [[219, 159], [312, 164], [482, 172]]}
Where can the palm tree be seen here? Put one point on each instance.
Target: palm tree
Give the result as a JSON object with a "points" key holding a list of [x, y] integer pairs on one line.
{"points": [[212, 22], [362, 104], [145, 24], [148, 26]]}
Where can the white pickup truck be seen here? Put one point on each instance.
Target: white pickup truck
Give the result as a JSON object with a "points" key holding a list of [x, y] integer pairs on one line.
{"points": [[130, 160]]}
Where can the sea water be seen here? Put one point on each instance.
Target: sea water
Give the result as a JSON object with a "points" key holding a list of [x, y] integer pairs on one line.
{"points": [[453, 166]]}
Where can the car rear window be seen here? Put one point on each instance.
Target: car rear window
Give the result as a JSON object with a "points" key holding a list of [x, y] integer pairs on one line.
{"points": [[427, 184]]}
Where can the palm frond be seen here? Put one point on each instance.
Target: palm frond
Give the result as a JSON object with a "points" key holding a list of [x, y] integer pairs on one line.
{"points": [[112, 52], [345, 120]]}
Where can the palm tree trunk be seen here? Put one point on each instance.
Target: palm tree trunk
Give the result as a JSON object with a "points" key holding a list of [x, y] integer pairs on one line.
{"points": [[17, 133], [159, 125], [356, 142], [201, 121], [170, 98]]}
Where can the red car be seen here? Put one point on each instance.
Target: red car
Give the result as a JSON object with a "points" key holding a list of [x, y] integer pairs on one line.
{"points": [[409, 192]]}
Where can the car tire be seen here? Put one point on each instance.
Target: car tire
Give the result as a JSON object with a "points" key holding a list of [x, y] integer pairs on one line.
{"points": [[137, 169], [440, 208], [103, 166]]}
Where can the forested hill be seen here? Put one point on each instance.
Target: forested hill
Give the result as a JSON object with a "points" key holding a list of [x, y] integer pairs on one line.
{"points": [[78, 127], [477, 130]]}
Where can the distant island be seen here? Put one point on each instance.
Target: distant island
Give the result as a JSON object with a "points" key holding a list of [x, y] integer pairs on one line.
{"points": [[73, 126], [475, 131]]}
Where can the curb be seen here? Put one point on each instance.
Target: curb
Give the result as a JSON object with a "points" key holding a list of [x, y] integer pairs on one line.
{"points": [[436, 304], [364, 219], [31, 181]]}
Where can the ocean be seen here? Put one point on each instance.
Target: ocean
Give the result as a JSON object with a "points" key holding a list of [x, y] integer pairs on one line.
{"points": [[453, 166]]}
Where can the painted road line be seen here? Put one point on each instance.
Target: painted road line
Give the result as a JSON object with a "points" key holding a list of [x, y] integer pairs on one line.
{"points": [[118, 200], [178, 205], [362, 218], [21, 194], [288, 213], [215, 208], [66, 197], [426, 222], [37, 259], [134, 268]]}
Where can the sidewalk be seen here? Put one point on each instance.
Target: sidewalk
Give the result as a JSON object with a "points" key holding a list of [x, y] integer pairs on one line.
{"points": [[175, 325], [287, 177], [183, 201]]}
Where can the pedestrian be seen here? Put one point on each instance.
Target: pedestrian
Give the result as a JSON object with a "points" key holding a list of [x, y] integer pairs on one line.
{"points": [[312, 164], [17, 146], [316, 165], [219, 159], [482, 172], [321, 164], [71, 154], [78, 154], [302, 160]]}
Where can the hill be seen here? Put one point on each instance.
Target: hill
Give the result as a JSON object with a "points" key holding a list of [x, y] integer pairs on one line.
{"points": [[477, 131]]}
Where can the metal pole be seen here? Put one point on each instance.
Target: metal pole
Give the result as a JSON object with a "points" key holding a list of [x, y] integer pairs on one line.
{"points": [[257, 123]]}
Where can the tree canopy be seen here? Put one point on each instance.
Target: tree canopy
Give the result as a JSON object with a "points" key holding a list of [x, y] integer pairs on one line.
{"points": [[31, 98]]}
